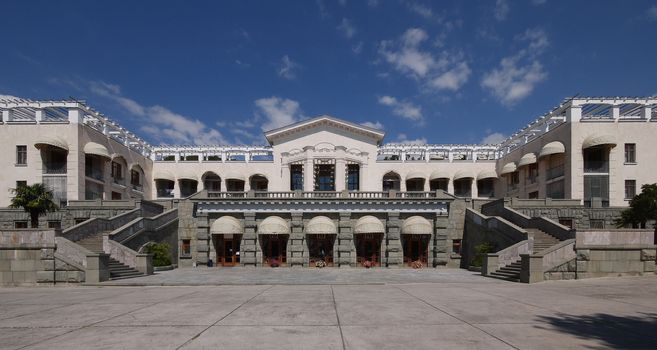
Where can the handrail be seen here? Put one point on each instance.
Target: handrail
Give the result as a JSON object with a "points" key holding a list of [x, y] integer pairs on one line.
{"points": [[95, 225], [318, 194], [72, 251], [137, 225]]}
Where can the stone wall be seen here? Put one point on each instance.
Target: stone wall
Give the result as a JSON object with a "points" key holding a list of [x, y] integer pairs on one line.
{"points": [[565, 209]]}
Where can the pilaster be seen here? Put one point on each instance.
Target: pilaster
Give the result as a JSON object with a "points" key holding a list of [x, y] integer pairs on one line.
{"points": [[248, 246], [394, 254], [346, 247], [297, 248], [439, 249], [202, 239]]}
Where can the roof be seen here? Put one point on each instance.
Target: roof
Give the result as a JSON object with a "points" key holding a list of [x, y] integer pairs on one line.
{"points": [[376, 134]]}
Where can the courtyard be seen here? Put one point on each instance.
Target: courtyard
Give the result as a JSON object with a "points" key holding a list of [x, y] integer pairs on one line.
{"points": [[331, 309]]}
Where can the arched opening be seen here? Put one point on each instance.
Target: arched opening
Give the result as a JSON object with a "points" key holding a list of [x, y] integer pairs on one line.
{"points": [[439, 184], [54, 153], [320, 235], [463, 187], [273, 234], [118, 168], [137, 178], [415, 182], [226, 237], [211, 182], [391, 181], [187, 187], [259, 183], [368, 236], [416, 233], [234, 185], [164, 188]]}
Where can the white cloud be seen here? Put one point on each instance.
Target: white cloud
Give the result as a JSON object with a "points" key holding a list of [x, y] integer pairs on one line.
{"points": [[420, 9], [652, 12], [373, 125], [161, 123], [402, 138], [358, 48], [501, 10], [372, 3], [453, 79], [493, 139], [517, 75], [403, 109], [287, 69], [347, 28], [444, 70], [278, 112]]}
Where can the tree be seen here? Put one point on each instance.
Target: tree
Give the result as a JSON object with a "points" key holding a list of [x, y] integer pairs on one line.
{"points": [[643, 208], [35, 199]]}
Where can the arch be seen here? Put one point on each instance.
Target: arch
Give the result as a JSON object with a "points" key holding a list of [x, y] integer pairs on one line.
{"points": [[487, 174], [415, 175], [554, 147], [97, 149], [599, 140], [508, 168], [187, 175], [324, 146], [527, 159], [416, 225], [369, 224], [439, 174], [391, 181], [273, 225], [259, 182], [53, 141], [235, 176], [211, 181], [163, 175], [321, 225], [463, 174], [226, 225]]}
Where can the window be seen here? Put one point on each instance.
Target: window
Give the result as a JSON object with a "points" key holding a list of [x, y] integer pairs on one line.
{"points": [[80, 220], [135, 179], [117, 171], [186, 247], [596, 160], [555, 190], [630, 153], [55, 224], [532, 173], [21, 183], [391, 182], [296, 177], [463, 187], [353, 177], [485, 188], [533, 195], [324, 175], [21, 155], [596, 187], [513, 180], [116, 196], [597, 224], [20, 224], [568, 222], [456, 246], [630, 189], [438, 184]]}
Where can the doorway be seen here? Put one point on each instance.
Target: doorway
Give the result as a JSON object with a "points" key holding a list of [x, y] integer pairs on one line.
{"points": [[228, 249], [416, 248], [320, 249], [274, 249], [368, 248]]}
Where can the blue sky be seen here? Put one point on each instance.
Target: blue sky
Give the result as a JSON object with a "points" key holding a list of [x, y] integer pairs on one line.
{"points": [[204, 72]]}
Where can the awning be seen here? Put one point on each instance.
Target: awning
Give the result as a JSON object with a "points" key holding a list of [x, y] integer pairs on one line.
{"points": [[416, 225], [163, 175], [463, 174], [188, 175], [415, 175], [487, 174], [97, 149], [235, 176], [321, 225], [554, 147], [599, 140], [226, 225], [527, 159], [51, 141], [369, 224], [439, 174], [273, 225], [508, 168]]}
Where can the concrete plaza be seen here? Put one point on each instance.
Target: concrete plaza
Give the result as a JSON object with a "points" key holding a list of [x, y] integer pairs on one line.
{"points": [[431, 309]]}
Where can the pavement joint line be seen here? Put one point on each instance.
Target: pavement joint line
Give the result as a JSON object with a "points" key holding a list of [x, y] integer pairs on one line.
{"points": [[464, 321], [97, 322], [223, 317], [337, 317]]}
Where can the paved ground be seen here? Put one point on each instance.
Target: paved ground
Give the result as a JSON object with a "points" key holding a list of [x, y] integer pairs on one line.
{"points": [[456, 310]]}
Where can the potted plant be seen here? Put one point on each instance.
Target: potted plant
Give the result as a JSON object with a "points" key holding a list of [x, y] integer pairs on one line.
{"points": [[417, 264], [320, 263], [274, 263], [367, 264]]}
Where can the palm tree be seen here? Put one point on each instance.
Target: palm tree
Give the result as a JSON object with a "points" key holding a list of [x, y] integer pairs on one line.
{"points": [[35, 199]]}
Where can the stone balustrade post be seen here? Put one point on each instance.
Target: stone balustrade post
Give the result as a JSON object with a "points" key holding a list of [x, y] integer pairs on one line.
{"points": [[394, 254], [97, 269], [249, 243], [144, 263]]}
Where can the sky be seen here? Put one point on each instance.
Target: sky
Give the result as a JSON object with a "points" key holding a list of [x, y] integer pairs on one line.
{"points": [[222, 72]]}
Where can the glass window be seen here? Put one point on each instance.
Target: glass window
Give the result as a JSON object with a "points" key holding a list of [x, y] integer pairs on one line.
{"points": [[438, 184], [630, 153], [391, 182], [596, 160], [596, 187], [324, 177], [135, 178], [456, 246], [597, 224], [463, 187], [630, 189], [353, 177], [20, 224], [555, 190], [117, 171], [54, 224], [185, 247], [296, 177], [21, 155], [532, 173]]}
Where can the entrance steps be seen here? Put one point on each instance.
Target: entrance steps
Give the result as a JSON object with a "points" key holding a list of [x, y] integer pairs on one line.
{"points": [[117, 269], [542, 241], [508, 273]]}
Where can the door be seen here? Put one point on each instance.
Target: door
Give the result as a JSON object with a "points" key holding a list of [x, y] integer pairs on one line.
{"points": [[416, 248], [274, 247], [368, 248], [228, 250]]}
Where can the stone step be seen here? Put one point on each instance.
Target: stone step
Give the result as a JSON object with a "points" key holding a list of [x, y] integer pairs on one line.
{"points": [[506, 278]]}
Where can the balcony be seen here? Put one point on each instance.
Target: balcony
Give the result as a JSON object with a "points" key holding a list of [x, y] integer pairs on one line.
{"points": [[164, 193], [596, 166], [137, 187], [96, 174], [118, 181], [554, 172], [323, 194], [54, 169]]}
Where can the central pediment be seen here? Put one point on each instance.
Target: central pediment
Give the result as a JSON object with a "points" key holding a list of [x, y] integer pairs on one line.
{"points": [[324, 123]]}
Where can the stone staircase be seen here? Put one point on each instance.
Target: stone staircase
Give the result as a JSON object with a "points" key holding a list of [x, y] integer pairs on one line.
{"points": [[117, 270], [542, 241]]}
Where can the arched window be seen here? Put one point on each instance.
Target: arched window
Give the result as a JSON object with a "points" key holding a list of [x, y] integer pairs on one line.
{"points": [[211, 182], [391, 181]]}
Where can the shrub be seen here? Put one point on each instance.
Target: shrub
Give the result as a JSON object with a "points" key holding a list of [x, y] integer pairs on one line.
{"points": [[480, 250], [161, 253]]}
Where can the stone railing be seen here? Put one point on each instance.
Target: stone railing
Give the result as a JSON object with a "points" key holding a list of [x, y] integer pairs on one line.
{"points": [[94, 265], [96, 225], [534, 266], [138, 225], [73, 252], [499, 208], [139, 261], [506, 256], [322, 194]]}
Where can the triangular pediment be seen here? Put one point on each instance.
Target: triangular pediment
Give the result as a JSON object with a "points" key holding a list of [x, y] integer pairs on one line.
{"points": [[322, 123]]}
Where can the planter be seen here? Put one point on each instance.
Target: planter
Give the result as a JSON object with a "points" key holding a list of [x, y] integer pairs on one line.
{"points": [[163, 268]]}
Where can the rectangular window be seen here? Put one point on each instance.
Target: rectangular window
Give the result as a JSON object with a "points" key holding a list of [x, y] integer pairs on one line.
{"points": [[296, 177], [567, 222], [186, 247], [135, 178], [596, 159], [117, 171], [555, 190], [630, 153], [21, 184], [80, 220], [630, 189], [456, 246], [533, 195], [353, 177], [532, 173], [55, 224], [597, 224], [596, 187], [324, 173], [21, 155], [20, 224]]}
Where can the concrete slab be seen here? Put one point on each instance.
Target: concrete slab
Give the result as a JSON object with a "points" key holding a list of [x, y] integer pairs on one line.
{"points": [[289, 313]]}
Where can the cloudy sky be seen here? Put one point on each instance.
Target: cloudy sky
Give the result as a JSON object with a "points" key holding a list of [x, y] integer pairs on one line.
{"points": [[202, 72]]}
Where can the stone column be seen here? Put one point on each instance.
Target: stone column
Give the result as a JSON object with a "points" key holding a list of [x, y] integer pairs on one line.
{"points": [[394, 255], [285, 179], [308, 176], [340, 175], [450, 186], [97, 269], [202, 239], [297, 249], [440, 246], [248, 245], [473, 188], [223, 185], [346, 248]]}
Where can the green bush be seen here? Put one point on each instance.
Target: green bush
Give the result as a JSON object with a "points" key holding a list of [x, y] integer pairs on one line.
{"points": [[480, 251], [161, 253]]}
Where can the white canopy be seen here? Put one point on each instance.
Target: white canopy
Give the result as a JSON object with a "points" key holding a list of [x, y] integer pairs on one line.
{"points": [[463, 174], [416, 225], [439, 174], [97, 149], [487, 174], [163, 175], [273, 225], [415, 175], [321, 225], [226, 225], [235, 176], [527, 159], [369, 224], [598, 140], [508, 168], [554, 147], [188, 175], [51, 141]]}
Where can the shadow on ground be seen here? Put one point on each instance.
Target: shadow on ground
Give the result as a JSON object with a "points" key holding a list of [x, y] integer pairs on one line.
{"points": [[617, 332]]}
